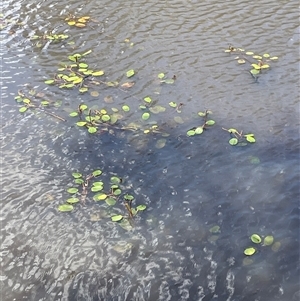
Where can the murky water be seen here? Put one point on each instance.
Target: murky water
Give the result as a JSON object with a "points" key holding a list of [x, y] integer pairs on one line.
{"points": [[189, 186]]}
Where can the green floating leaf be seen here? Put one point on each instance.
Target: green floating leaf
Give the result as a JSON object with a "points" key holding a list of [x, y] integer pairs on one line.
{"points": [[145, 116], [268, 240], [249, 251], [250, 138], [173, 104], [97, 172], [83, 65], [96, 188], [92, 129], [147, 99], [249, 53], [241, 61], [255, 238], [117, 191], [83, 107], [105, 117], [233, 141], [44, 103], [98, 184], [115, 180], [233, 131], [116, 218], [83, 89], [79, 181], [65, 208], [76, 175], [254, 71], [49, 81], [201, 114], [23, 109], [125, 108], [161, 75], [191, 132], [72, 200], [141, 207], [255, 66], [128, 197], [198, 130], [72, 190], [26, 100], [266, 55], [81, 123], [273, 58], [100, 197], [257, 57], [130, 73], [110, 201], [210, 122], [265, 66], [98, 73]]}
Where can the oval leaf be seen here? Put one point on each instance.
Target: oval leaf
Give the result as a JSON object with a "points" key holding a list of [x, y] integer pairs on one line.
{"points": [[190, 132], [268, 240], [65, 208], [210, 122], [141, 207], [145, 116], [249, 251], [233, 141], [23, 109], [92, 129], [97, 172], [72, 200], [125, 108], [76, 175], [100, 197], [255, 238], [130, 73], [116, 218], [110, 201], [72, 190]]}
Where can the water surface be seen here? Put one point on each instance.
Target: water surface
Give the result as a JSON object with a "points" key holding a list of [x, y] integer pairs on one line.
{"points": [[189, 186]]}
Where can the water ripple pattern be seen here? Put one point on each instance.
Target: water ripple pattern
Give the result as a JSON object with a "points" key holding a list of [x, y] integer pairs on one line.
{"points": [[189, 186]]}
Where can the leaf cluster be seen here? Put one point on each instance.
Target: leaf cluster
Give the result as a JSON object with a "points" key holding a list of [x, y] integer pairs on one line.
{"points": [[238, 138], [257, 62], [198, 130], [112, 196], [258, 240], [76, 74]]}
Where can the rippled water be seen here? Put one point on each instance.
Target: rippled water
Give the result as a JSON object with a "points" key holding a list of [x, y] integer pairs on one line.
{"points": [[189, 186]]}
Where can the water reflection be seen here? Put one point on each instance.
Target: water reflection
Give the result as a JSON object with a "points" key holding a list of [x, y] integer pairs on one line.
{"points": [[189, 186]]}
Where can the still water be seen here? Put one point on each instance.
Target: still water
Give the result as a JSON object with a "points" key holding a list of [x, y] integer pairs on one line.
{"points": [[189, 186]]}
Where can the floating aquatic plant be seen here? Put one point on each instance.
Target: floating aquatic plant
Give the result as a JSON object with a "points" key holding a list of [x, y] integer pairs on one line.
{"points": [[84, 185], [76, 74], [41, 40], [257, 62], [238, 138], [198, 130], [34, 100], [258, 241]]}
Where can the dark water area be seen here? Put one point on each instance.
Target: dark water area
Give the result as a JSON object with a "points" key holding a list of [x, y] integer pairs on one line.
{"points": [[189, 186]]}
